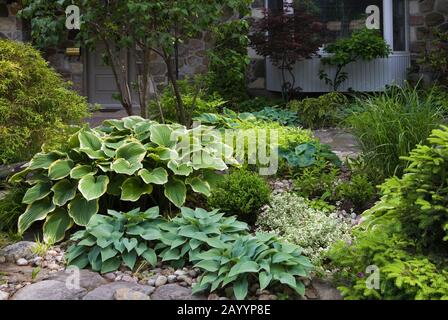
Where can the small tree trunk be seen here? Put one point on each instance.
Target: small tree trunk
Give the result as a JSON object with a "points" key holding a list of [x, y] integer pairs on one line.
{"points": [[179, 103]]}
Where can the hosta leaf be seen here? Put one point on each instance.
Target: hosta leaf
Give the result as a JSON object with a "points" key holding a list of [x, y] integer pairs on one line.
{"points": [[80, 262], [122, 166], [38, 192], [157, 176], [162, 135], [44, 160], [288, 279], [150, 256], [82, 210], [244, 267], [134, 188], [64, 191], [79, 172], [130, 244], [176, 192], [208, 265], [60, 169], [107, 253], [95, 259], [92, 187], [35, 212], [265, 280], [141, 248], [180, 169], [130, 258], [56, 226], [170, 254], [88, 140], [199, 186], [151, 234], [110, 265], [74, 252], [114, 186], [240, 289], [133, 152]]}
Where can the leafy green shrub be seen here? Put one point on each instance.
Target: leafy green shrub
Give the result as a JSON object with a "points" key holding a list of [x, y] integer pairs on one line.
{"points": [[319, 112], [359, 191], [229, 60], [391, 125], [35, 103], [11, 207], [242, 193], [116, 239], [435, 58], [195, 99], [317, 182], [259, 259], [365, 44], [257, 104], [124, 161], [290, 217], [405, 233]]}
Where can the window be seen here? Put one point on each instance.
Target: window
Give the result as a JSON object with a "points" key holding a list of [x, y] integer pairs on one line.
{"points": [[399, 25], [342, 17]]}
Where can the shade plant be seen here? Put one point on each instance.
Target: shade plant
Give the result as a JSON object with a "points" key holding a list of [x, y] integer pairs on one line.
{"points": [[126, 161]]}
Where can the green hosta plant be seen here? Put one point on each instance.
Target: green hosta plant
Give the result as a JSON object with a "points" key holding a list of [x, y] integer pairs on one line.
{"points": [[116, 239], [307, 154], [122, 161], [261, 258], [194, 231]]}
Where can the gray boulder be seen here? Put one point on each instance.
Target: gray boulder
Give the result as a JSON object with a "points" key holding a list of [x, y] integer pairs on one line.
{"points": [[19, 250], [107, 292], [49, 290], [174, 292]]}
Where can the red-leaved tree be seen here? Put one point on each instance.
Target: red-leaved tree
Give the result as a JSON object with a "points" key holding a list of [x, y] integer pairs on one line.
{"points": [[286, 37]]}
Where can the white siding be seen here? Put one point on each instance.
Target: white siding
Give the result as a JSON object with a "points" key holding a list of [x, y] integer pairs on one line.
{"points": [[363, 76]]}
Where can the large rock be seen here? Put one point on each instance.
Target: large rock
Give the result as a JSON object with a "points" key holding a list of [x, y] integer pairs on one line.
{"points": [[49, 290], [325, 290], [174, 292], [107, 292], [19, 250], [130, 295], [88, 280]]}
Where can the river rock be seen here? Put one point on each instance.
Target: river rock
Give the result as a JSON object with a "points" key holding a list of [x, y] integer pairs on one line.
{"points": [[17, 251], [49, 290], [107, 292]]}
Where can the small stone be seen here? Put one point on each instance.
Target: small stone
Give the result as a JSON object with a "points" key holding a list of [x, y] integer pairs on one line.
{"points": [[264, 297], [118, 278], [109, 276], [22, 262], [185, 279], [4, 295], [161, 281], [2, 259], [273, 297], [53, 266], [151, 282], [306, 282], [172, 278], [128, 278], [193, 273], [183, 284], [311, 294], [223, 298], [213, 296], [179, 273], [52, 253], [37, 261], [128, 294]]}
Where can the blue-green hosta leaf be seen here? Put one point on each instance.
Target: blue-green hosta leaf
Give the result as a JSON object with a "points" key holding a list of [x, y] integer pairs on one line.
{"points": [[38, 192], [265, 280], [162, 135], [157, 176], [93, 187], [110, 265], [151, 234], [208, 265], [176, 192], [95, 259], [141, 248], [305, 262], [74, 252], [170, 255], [130, 244], [88, 140], [130, 258], [60, 169], [44, 160], [107, 253], [80, 262], [244, 267], [199, 186], [64, 191], [81, 171], [150, 256], [134, 188], [122, 166], [36, 211], [82, 210], [180, 169], [240, 288], [133, 152], [56, 226]]}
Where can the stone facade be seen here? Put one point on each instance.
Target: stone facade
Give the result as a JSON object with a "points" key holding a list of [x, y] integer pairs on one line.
{"points": [[10, 26], [424, 15]]}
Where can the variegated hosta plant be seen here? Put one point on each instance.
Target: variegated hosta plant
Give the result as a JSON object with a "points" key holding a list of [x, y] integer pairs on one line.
{"points": [[123, 161]]}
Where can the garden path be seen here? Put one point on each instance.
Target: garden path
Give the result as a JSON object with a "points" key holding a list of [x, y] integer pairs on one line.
{"points": [[344, 144]]}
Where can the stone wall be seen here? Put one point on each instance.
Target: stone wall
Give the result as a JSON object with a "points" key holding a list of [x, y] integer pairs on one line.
{"points": [[10, 26], [424, 15]]}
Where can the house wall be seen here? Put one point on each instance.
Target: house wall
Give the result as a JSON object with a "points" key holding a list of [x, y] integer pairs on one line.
{"points": [[424, 15], [10, 26]]}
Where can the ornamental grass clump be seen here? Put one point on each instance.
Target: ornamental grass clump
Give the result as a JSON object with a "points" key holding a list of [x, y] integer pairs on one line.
{"points": [[122, 164]]}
